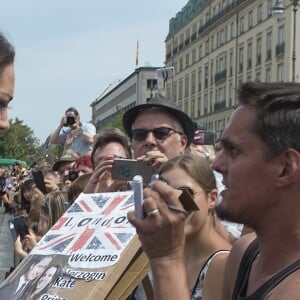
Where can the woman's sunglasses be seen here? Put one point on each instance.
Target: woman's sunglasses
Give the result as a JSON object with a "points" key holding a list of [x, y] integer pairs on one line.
{"points": [[160, 133]]}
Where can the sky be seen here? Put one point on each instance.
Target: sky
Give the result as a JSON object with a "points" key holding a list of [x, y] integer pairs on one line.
{"points": [[68, 52]]}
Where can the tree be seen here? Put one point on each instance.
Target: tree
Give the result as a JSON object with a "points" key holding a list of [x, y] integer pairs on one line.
{"points": [[19, 142], [117, 120]]}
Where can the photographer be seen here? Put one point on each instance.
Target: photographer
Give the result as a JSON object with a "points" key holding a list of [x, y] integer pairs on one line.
{"points": [[73, 134]]}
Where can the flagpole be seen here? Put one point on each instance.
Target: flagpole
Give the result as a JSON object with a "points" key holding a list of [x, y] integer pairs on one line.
{"points": [[137, 54]]}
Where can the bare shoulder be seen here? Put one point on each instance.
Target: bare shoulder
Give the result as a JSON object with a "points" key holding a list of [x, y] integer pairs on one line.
{"points": [[213, 282], [233, 263], [289, 288]]}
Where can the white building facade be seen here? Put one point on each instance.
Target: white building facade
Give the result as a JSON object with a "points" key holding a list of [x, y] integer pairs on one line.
{"points": [[136, 89], [215, 45]]}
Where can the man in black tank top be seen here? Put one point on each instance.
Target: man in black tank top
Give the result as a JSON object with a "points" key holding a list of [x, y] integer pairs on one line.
{"points": [[260, 164]]}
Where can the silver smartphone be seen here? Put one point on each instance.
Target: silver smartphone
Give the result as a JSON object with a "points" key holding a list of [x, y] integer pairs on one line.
{"points": [[126, 169]]}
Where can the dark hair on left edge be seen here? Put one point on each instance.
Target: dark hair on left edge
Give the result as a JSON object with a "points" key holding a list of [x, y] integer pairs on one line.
{"points": [[7, 52]]}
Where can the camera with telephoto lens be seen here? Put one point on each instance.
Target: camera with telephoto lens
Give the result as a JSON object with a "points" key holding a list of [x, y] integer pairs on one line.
{"points": [[70, 120], [72, 175]]}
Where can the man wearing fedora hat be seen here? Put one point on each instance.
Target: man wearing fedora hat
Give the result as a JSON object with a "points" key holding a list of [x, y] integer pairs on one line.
{"points": [[159, 130]]}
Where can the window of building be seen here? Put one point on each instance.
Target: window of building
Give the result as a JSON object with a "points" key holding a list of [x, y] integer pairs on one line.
{"points": [[187, 60], [259, 13], [221, 64], [212, 72], [186, 85], [231, 102], [230, 63], [280, 72], [241, 59], [199, 105], [181, 38], [270, 7], [151, 84], [242, 24], [281, 34], [257, 77], [268, 75], [222, 37], [231, 30], [212, 42], [207, 16], [193, 107], [250, 19], [206, 77], [193, 83], [200, 52], [205, 104], [206, 47], [249, 56], [269, 46], [194, 32], [223, 4], [174, 95], [181, 64], [221, 94], [180, 86], [186, 106], [199, 80], [193, 56], [258, 50]]}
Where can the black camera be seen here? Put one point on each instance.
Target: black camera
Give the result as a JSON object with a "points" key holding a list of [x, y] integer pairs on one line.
{"points": [[72, 175], [70, 120]]}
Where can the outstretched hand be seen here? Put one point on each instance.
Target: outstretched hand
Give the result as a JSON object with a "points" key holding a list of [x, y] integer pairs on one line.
{"points": [[161, 232]]}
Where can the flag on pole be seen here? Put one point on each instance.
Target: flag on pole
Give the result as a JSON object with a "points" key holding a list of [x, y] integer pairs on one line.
{"points": [[137, 53]]}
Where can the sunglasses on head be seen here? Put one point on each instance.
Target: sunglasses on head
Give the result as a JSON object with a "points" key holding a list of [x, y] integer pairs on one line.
{"points": [[160, 133]]}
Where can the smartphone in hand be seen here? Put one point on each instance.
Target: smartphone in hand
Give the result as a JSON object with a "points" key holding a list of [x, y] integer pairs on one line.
{"points": [[39, 180], [126, 169]]}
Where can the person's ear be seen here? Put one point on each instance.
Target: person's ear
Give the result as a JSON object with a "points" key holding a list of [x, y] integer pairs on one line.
{"points": [[213, 198], [290, 167], [183, 141]]}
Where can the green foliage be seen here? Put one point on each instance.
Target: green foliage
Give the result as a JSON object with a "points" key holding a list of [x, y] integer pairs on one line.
{"points": [[19, 142], [117, 121]]}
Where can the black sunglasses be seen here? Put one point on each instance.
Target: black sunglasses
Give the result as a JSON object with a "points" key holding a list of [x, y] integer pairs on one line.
{"points": [[160, 133]]}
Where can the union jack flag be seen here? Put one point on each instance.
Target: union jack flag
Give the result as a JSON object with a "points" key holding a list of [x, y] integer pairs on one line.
{"points": [[94, 222]]}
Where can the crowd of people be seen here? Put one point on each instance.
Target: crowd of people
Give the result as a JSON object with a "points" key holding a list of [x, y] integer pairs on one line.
{"points": [[251, 178]]}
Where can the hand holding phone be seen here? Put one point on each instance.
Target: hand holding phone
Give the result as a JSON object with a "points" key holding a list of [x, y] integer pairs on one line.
{"points": [[39, 180], [126, 169]]}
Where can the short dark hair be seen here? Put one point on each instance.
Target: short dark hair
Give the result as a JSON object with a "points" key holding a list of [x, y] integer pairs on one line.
{"points": [[278, 119], [74, 110], [7, 52], [110, 135]]}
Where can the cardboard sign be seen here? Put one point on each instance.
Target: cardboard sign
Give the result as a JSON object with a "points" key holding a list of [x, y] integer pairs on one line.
{"points": [[92, 252]]}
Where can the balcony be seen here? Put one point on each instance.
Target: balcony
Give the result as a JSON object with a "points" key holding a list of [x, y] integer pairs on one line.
{"points": [[219, 15], [220, 76], [280, 49], [220, 105]]}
